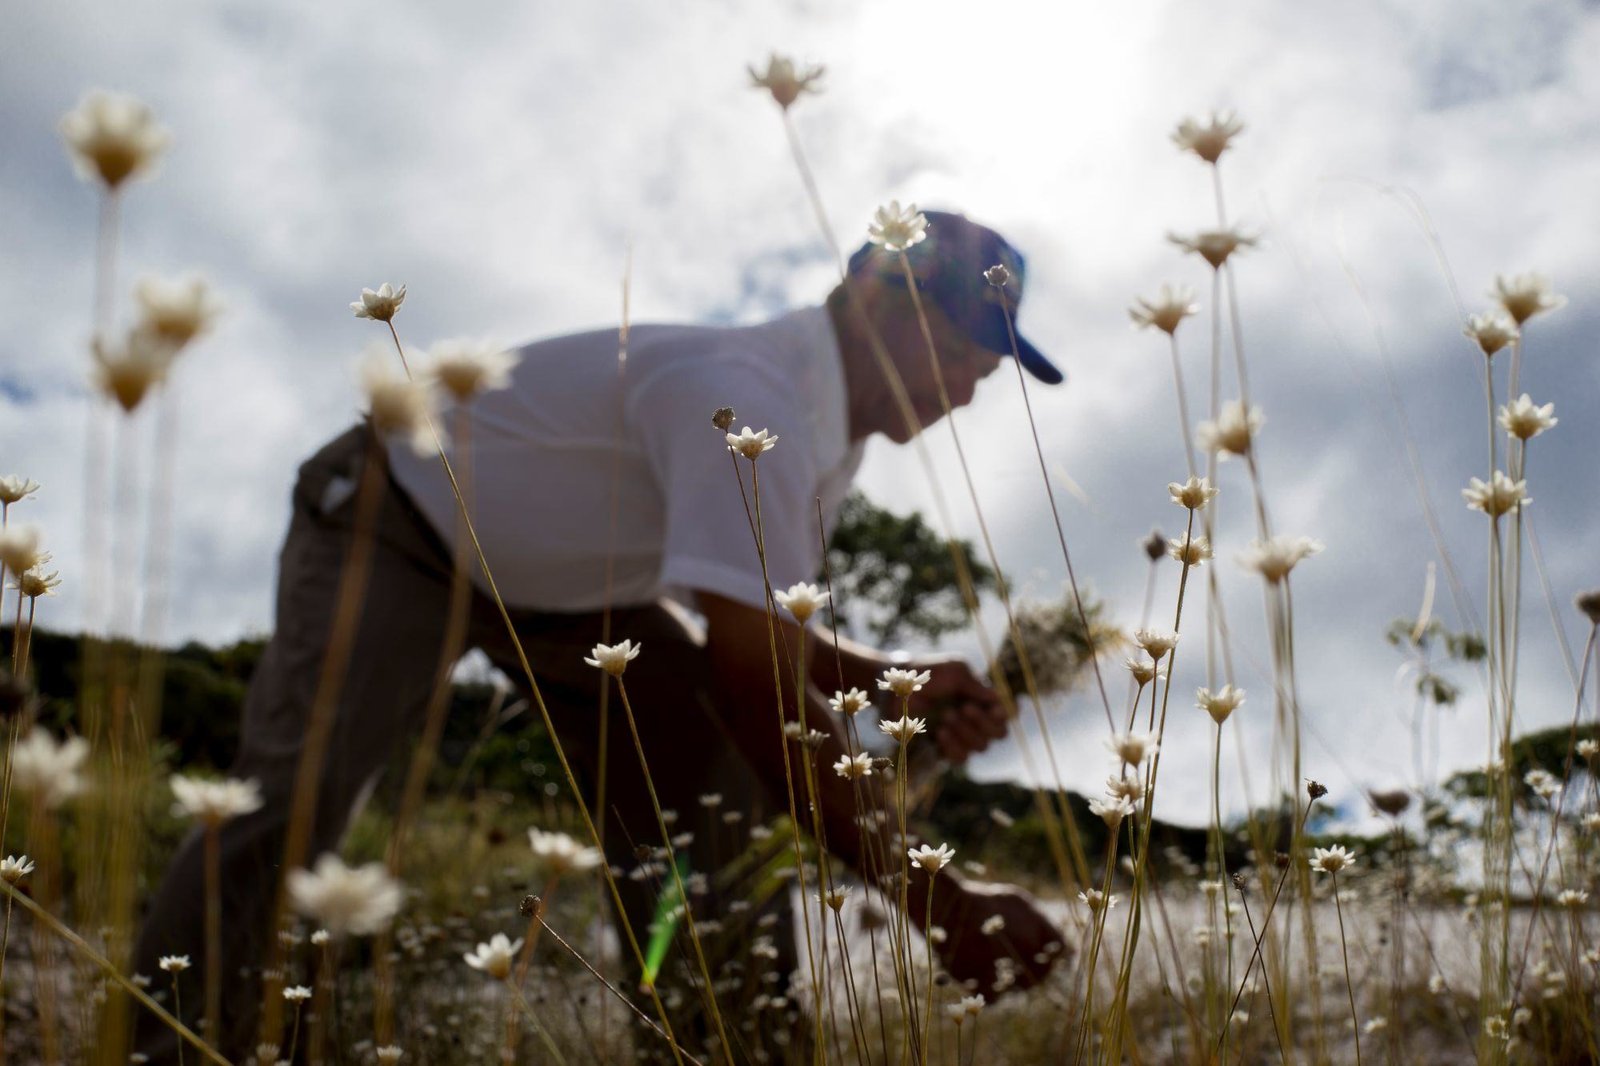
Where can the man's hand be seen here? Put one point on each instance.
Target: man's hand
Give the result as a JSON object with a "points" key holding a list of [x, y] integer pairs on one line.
{"points": [[966, 713], [1023, 935]]}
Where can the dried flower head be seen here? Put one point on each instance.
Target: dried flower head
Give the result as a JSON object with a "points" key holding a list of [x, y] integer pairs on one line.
{"points": [[1316, 790], [379, 304], [904, 728], [49, 772], [1588, 603], [1492, 330], [127, 370], [1208, 140], [1189, 550], [1169, 308], [346, 900], [903, 682], [932, 859], [113, 137], [722, 418], [1523, 419], [398, 405], [1497, 496], [1525, 295], [801, 600], [1392, 802], [14, 488], [465, 368], [1156, 642], [785, 81], [1214, 245], [1331, 860], [854, 766], [1234, 431], [1132, 748], [998, 275], [495, 957], [1154, 545], [750, 444], [14, 868], [1192, 494], [896, 229], [1220, 704], [176, 311], [613, 658], [850, 703], [1274, 557], [214, 802]]}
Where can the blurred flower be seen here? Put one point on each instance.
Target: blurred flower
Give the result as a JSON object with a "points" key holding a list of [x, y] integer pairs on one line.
{"points": [[854, 766], [1274, 557], [1126, 787], [321, 937], [1588, 602], [49, 772], [1587, 748], [1331, 860], [1572, 897], [1496, 496], [998, 275], [896, 229], [113, 137], [389, 1053], [614, 658], [932, 859], [35, 583], [1233, 432], [297, 993], [801, 600], [1214, 245], [849, 703], [1156, 642], [1132, 748], [1392, 802], [1524, 420], [464, 368], [14, 488], [835, 896], [1210, 140], [560, 855], [1143, 670], [749, 444], [903, 682], [1525, 295], [1098, 900], [1492, 330], [398, 404], [215, 802], [379, 305], [1190, 551], [19, 548], [1166, 311], [784, 80], [14, 868], [1112, 811], [125, 371], [354, 900], [993, 925], [1193, 494], [175, 311], [903, 729], [495, 957], [174, 963]]}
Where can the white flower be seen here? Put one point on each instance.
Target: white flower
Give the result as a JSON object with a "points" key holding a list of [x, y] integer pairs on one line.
{"points": [[903, 729], [1525, 295], [849, 703], [1214, 245], [389, 1053], [1233, 432], [1144, 671], [1587, 748], [397, 404], [1436, 984], [14, 488], [1125, 787], [1190, 551], [992, 925], [35, 583], [750, 444], [174, 963], [561, 855], [1164, 312], [113, 137], [613, 658], [903, 682], [127, 370], [1156, 642], [1112, 812], [14, 868], [297, 993], [1097, 900], [379, 305], [1193, 494], [176, 311], [711, 800], [784, 80], [1210, 140], [1524, 420], [896, 229], [464, 368], [1132, 748], [1274, 557], [1572, 897], [495, 957], [359, 900], [1375, 1025], [48, 771], [1542, 782], [1331, 860], [19, 548], [1492, 330], [932, 859], [835, 896], [853, 766], [801, 600], [1220, 704], [215, 802], [1496, 496], [321, 937]]}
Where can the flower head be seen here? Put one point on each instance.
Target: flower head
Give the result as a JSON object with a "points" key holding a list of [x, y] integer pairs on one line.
{"points": [[19, 548], [1587, 748], [750, 444], [1112, 810], [613, 658], [125, 371], [464, 368], [784, 80], [1193, 494], [1274, 557], [561, 855], [1144, 671], [896, 229], [903, 682], [1126, 787], [1208, 140], [1189, 550], [381, 304], [1233, 432], [1132, 748], [14, 868], [853, 766], [397, 404], [14, 488], [1156, 642], [1497, 496], [1166, 311], [36, 582], [495, 957], [1492, 330], [801, 600], [1331, 860], [176, 311], [1525, 295], [48, 771], [215, 802], [1097, 900], [1572, 897], [932, 859], [113, 137], [1220, 704], [296, 993], [849, 703], [964, 1008], [834, 897], [904, 728], [174, 963], [1524, 420], [356, 900], [1214, 245]]}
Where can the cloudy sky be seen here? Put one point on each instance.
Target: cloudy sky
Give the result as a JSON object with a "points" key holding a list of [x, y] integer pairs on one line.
{"points": [[500, 159]]}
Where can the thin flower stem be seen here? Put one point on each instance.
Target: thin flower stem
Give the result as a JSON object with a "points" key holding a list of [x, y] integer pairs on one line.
{"points": [[1345, 951], [927, 935], [213, 860]]}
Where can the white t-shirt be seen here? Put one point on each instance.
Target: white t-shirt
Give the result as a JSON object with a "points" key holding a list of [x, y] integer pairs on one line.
{"points": [[542, 458]]}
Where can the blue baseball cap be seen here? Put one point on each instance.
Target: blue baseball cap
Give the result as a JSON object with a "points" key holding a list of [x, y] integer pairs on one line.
{"points": [[950, 266]]}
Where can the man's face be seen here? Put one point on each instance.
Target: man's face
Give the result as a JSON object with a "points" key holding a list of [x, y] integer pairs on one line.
{"points": [[962, 364]]}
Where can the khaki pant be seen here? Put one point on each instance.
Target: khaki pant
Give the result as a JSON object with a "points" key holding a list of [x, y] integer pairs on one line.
{"points": [[382, 701]]}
